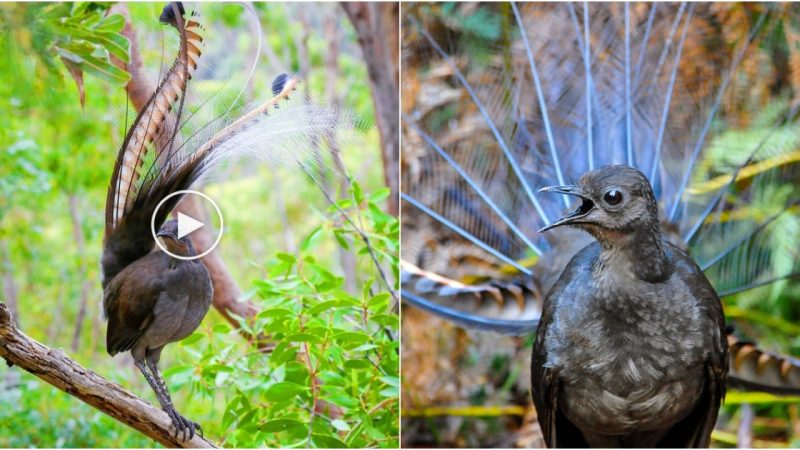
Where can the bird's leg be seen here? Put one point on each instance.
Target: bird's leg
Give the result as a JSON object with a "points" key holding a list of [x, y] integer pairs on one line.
{"points": [[166, 402], [181, 423]]}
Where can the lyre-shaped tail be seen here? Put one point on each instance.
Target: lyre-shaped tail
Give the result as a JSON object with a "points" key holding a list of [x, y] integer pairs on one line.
{"points": [[689, 93], [150, 136]]}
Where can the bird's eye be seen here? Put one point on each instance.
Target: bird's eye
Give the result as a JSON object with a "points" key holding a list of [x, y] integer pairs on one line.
{"points": [[612, 197]]}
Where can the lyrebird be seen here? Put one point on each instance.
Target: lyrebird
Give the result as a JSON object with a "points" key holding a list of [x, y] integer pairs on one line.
{"points": [[177, 138], [552, 92]]}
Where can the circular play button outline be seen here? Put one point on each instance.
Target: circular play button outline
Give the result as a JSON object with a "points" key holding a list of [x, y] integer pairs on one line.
{"points": [[184, 192]]}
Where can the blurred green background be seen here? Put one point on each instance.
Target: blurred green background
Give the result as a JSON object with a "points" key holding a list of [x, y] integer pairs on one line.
{"points": [[283, 243]]}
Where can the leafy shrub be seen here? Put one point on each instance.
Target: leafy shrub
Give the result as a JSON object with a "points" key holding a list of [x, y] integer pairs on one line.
{"points": [[332, 377]]}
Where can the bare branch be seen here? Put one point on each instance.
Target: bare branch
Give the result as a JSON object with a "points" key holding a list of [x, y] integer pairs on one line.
{"points": [[57, 369]]}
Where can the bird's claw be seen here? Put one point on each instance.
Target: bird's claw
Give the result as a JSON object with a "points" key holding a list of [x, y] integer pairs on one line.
{"points": [[183, 425]]}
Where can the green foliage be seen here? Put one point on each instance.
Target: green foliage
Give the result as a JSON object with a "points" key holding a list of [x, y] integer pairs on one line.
{"points": [[52, 151], [80, 35], [332, 378], [27, 420]]}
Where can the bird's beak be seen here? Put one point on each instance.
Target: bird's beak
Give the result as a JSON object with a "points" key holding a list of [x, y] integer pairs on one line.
{"points": [[166, 234], [583, 210]]}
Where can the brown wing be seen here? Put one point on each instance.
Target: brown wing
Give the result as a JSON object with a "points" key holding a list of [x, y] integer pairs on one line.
{"points": [[557, 430], [129, 301], [695, 430]]}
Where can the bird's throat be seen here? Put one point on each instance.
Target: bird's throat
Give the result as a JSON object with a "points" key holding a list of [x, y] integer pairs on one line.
{"points": [[642, 250]]}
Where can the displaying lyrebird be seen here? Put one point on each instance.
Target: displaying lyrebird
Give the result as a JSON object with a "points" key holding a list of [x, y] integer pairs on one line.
{"points": [[534, 95], [177, 138]]}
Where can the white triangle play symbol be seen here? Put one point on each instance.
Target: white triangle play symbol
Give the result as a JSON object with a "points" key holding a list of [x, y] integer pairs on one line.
{"points": [[187, 224]]}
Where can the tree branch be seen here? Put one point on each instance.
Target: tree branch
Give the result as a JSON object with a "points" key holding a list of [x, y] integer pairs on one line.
{"points": [[55, 368]]}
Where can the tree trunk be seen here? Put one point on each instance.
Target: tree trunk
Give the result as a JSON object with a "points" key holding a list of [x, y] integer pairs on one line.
{"points": [[377, 26]]}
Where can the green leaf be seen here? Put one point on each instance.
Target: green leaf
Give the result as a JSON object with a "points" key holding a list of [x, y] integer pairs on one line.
{"points": [[388, 320], [301, 337], [340, 425], [391, 381], [274, 312], [324, 306], [390, 392], [352, 338], [221, 328], [341, 400], [340, 238], [97, 67], [113, 23], [196, 336], [357, 364], [379, 302], [174, 370], [284, 390], [324, 441], [358, 194], [278, 425], [312, 239], [380, 194]]}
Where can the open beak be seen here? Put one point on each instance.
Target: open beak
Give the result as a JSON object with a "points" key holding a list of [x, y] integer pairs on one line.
{"points": [[583, 210]]}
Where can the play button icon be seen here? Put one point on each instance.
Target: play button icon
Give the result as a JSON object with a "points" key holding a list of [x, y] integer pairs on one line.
{"points": [[188, 224]]}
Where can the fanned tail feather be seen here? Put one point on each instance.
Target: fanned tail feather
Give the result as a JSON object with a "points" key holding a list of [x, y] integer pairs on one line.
{"points": [[689, 93], [167, 150]]}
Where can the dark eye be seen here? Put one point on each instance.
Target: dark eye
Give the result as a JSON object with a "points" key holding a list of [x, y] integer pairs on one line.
{"points": [[612, 197]]}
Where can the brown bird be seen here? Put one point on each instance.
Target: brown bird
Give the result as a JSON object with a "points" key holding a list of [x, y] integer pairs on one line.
{"points": [[150, 298], [631, 348], [154, 301]]}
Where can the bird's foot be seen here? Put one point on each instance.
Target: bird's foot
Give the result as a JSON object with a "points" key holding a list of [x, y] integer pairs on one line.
{"points": [[183, 425]]}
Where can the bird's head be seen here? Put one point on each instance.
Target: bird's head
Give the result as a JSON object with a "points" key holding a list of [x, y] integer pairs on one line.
{"points": [[168, 234], [168, 13], [615, 200]]}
